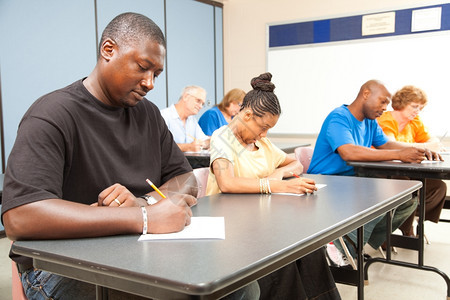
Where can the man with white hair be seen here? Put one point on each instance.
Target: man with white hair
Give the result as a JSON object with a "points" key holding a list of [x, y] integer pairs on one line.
{"points": [[180, 118]]}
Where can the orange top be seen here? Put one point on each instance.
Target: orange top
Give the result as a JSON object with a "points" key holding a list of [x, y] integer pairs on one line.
{"points": [[414, 131]]}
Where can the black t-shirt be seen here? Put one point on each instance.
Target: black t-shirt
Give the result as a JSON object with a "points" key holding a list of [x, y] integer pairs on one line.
{"points": [[72, 146]]}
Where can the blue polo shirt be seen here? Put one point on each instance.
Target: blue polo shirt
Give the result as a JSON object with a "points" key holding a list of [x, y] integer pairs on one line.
{"points": [[211, 120], [340, 128]]}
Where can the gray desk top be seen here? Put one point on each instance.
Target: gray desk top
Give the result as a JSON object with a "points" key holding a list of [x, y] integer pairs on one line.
{"points": [[198, 154], [263, 233], [435, 169], [286, 147], [290, 147]]}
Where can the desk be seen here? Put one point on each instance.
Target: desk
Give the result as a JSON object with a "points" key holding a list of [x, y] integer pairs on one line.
{"points": [[202, 159], [198, 159], [437, 170], [262, 235]]}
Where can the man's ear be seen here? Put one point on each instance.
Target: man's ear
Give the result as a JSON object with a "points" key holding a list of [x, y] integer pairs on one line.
{"points": [[108, 48], [366, 94]]}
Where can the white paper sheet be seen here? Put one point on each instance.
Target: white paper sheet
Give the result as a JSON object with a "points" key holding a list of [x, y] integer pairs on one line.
{"points": [[318, 185], [430, 161], [200, 228]]}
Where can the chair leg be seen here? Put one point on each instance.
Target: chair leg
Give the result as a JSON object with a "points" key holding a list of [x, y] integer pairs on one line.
{"points": [[347, 253], [416, 219], [426, 239], [382, 252]]}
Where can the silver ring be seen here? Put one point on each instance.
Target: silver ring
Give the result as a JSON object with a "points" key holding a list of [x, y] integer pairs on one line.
{"points": [[117, 201]]}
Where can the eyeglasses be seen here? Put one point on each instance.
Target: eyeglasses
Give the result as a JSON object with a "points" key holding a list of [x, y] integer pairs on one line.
{"points": [[198, 100], [416, 107]]}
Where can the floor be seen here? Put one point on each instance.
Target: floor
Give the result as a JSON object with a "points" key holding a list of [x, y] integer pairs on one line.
{"points": [[401, 283], [385, 281]]}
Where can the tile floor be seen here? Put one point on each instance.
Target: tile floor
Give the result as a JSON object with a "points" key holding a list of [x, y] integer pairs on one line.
{"points": [[385, 281]]}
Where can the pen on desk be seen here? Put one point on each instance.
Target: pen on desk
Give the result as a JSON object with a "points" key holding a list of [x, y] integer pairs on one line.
{"points": [[295, 175], [155, 188]]}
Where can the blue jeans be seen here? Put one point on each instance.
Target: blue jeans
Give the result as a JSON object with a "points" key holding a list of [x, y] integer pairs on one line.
{"points": [[375, 230], [42, 285]]}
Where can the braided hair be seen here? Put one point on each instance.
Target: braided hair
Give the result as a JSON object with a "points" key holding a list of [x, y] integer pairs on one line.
{"points": [[261, 99]]}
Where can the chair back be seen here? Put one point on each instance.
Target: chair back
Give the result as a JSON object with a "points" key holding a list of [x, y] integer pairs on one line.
{"points": [[304, 155], [201, 174], [16, 284]]}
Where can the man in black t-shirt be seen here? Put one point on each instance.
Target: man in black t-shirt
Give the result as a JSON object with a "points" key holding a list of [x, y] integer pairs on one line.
{"points": [[83, 153]]}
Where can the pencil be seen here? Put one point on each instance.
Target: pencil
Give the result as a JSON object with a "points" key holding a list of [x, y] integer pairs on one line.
{"points": [[295, 175], [155, 188], [191, 137]]}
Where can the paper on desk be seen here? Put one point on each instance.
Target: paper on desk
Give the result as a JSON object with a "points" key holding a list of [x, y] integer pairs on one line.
{"points": [[318, 186], [200, 228], [425, 161], [430, 161]]}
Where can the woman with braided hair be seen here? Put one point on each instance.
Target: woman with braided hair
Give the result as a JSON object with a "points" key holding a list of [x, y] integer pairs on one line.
{"points": [[243, 160], [241, 154]]}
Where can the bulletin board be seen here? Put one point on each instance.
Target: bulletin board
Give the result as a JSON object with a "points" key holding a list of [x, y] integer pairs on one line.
{"points": [[319, 65]]}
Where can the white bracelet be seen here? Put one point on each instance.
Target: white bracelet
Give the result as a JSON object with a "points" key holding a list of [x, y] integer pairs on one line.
{"points": [[144, 218]]}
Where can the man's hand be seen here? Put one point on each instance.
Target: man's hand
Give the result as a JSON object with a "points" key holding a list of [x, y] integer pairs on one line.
{"points": [[417, 155], [118, 195], [195, 146], [432, 155], [166, 216]]}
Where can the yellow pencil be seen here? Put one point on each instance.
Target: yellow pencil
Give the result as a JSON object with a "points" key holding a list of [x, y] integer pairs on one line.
{"points": [[191, 136], [155, 188]]}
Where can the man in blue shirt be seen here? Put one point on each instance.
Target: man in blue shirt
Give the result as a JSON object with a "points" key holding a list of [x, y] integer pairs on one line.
{"points": [[180, 118], [351, 133]]}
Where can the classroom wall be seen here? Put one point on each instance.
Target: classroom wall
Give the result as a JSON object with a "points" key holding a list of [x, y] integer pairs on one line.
{"points": [[245, 28], [35, 57]]}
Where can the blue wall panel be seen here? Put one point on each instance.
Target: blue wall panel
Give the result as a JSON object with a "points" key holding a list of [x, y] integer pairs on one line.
{"points": [[43, 48], [218, 15], [190, 44]]}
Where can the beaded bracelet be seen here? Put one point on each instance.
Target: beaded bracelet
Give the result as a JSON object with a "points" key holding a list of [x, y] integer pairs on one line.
{"points": [[264, 186], [260, 186], [144, 218], [268, 186]]}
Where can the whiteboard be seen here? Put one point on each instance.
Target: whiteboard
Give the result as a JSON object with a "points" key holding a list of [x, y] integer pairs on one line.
{"points": [[312, 80]]}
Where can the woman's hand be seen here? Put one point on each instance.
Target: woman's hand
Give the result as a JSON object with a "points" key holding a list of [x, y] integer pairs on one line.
{"points": [[297, 185]]}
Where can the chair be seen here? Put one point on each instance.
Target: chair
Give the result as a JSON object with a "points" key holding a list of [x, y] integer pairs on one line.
{"points": [[201, 174], [16, 284], [304, 155]]}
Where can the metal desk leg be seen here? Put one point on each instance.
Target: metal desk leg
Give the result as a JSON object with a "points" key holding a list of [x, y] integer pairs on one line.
{"points": [[420, 224], [101, 292], [359, 246], [419, 244]]}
